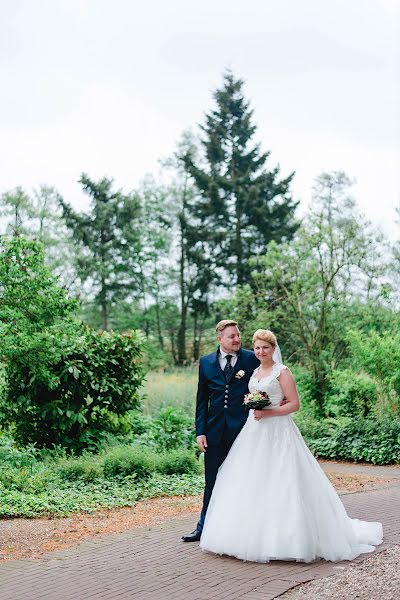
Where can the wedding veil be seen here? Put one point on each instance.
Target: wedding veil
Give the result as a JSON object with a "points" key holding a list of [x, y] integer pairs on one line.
{"points": [[277, 356]]}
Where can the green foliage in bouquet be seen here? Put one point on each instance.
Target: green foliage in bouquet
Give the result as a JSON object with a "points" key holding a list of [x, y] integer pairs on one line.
{"points": [[256, 400]]}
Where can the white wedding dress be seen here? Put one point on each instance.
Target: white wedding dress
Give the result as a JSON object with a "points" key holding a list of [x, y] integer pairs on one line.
{"points": [[272, 500]]}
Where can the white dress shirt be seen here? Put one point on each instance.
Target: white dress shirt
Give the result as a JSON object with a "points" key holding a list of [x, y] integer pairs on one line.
{"points": [[222, 358]]}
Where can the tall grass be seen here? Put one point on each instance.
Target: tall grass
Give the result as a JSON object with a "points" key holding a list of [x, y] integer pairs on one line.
{"points": [[176, 387]]}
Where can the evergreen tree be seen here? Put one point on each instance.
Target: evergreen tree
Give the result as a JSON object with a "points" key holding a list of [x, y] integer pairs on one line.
{"points": [[109, 242], [243, 205]]}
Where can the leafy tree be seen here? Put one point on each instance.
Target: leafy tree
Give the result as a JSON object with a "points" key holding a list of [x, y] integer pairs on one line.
{"points": [[48, 226], [304, 288], [154, 259], [35, 317], [17, 205], [395, 271], [108, 239], [36, 314], [39, 216], [243, 205], [195, 274]]}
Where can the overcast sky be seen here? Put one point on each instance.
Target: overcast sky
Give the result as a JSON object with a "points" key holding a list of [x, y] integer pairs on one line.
{"points": [[107, 87]]}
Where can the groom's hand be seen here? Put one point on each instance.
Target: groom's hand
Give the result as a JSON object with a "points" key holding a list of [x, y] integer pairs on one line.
{"points": [[283, 402], [202, 442]]}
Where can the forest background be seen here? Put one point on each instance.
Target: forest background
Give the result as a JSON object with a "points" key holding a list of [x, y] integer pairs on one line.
{"points": [[104, 314]]}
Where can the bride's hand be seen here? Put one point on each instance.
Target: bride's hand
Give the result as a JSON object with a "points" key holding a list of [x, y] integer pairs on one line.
{"points": [[260, 414]]}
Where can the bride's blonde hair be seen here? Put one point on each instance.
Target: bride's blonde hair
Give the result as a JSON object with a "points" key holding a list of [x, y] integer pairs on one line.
{"points": [[265, 335]]}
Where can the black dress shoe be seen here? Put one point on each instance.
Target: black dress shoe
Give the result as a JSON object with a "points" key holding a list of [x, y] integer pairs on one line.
{"points": [[192, 537]]}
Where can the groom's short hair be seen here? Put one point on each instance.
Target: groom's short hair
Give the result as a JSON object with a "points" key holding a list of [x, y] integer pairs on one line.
{"points": [[219, 328]]}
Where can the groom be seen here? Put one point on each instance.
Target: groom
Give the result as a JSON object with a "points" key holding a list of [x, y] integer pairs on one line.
{"points": [[220, 415]]}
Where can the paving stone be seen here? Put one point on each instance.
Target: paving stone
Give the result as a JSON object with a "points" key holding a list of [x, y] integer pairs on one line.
{"points": [[154, 564]]}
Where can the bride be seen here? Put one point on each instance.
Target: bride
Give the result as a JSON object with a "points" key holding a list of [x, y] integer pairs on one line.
{"points": [[271, 500]]}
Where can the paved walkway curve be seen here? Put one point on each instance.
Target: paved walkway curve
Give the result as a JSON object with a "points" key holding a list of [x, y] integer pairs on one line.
{"points": [[153, 564]]}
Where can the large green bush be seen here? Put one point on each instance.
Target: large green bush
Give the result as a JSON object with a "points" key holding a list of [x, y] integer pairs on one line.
{"points": [[378, 354], [351, 394], [94, 385], [65, 384]]}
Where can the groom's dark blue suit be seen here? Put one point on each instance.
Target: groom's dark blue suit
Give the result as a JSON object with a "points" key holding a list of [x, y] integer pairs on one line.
{"points": [[220, 414]]}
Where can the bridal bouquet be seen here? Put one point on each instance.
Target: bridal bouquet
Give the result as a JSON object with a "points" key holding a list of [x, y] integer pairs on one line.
{"points": [[256, 400]]}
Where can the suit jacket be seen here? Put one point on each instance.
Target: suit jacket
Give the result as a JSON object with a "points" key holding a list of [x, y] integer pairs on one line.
{"points": [[219, 403]]}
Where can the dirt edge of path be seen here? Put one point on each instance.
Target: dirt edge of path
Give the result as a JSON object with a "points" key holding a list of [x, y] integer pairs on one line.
{"points": [[31, 538]]}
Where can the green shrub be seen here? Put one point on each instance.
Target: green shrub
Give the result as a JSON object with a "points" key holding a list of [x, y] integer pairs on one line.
{"points": [[3, 386], [138, 423], [314, 428], [97, 383], [306, 388], [19, 458], [378, 354], [171, 429], [65, 384], [129, 461], [351, 394], [369, 440], [87, 468], [23, 480], [177, 462]]}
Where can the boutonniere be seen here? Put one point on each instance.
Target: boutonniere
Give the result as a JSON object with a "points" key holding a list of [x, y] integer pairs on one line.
{"points": [[240, 374]]}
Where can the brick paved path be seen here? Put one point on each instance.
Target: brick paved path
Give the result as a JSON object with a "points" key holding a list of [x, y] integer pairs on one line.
{"points": [[153, 564]]}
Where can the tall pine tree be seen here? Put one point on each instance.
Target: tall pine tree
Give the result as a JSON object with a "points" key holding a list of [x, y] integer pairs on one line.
{"points": [[243, 205]]}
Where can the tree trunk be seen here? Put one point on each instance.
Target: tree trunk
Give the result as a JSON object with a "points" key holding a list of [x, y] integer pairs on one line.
{"points": [[143, 292], [104, 316], [182, 284], [173, 347], [181, 338], [238, 247], [157, 306]]}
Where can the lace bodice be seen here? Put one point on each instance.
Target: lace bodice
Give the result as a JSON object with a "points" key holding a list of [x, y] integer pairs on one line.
{"points": [[269, 384]]}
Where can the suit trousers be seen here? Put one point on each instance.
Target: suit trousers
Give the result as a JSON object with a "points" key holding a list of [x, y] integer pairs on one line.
{"points": [[213, 459]]}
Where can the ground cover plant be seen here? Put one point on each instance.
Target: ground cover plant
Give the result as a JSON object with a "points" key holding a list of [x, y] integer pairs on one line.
{"points": [[36, 482]]}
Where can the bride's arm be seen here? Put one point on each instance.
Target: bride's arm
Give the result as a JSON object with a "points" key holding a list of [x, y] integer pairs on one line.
{"points": [[289, 390]]}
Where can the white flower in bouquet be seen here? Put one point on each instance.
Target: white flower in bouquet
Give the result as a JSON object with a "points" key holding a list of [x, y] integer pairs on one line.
{"points": [[256, 399]]}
